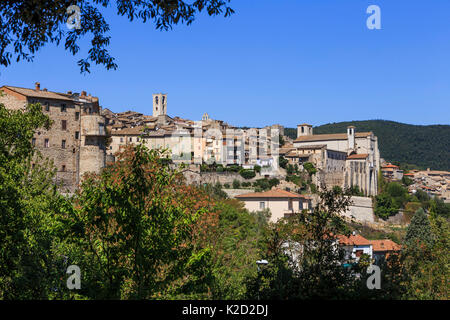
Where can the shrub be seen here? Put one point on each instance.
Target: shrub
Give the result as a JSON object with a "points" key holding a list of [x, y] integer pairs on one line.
{"points": [[247, 174], [236, 184]]}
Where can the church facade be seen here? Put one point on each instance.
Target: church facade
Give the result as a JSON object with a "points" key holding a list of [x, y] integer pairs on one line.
{"points": [[346, 160]]}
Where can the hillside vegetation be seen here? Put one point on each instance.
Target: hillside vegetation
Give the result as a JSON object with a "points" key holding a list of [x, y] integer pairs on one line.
{"points": [[423, 146]]}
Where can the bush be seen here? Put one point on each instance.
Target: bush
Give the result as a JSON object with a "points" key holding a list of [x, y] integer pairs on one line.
{"points": [[257, 168], [226, 185], [282, 161], [262, 184], [247, 174], [233, 168], [236, 184], [309, 167], [246, 184], [274, 182]]}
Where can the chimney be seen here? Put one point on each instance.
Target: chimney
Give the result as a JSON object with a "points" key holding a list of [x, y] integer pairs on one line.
{"points": [[38, 86], [83, 93], [45, 89], [69, 92]]}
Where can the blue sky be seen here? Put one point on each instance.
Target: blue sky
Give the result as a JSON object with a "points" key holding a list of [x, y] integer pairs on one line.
{"points": [[273, 61]]}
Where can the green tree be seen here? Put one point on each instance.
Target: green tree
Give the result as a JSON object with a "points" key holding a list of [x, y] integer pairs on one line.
{"points": [[304, 261], [309, 167], [30, 204], [419, 230], [235, 248], [384, 206], [28, 25], [283, 162], [247, 173], [139, 232]]}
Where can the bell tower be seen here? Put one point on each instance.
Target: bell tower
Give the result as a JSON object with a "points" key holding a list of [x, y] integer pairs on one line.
{"points": [[304, 130], [159, 104]]}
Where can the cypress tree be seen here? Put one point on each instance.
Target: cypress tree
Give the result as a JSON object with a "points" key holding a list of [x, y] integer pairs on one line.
{"points": [[419, 229]]}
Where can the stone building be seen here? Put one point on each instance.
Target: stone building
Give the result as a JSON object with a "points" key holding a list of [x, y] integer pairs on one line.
{"points": [[76, 140], [344, 160], [197, 142]]}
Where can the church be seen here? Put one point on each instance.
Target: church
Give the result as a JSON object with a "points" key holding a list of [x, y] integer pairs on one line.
{"points": [[343, 159]]}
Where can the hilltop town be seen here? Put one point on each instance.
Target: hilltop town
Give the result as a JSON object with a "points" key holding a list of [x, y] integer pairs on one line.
{"points": [[86, 137]]}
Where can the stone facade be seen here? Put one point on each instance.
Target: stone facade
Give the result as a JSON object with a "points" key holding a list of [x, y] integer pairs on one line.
{"points": [[76, 140], [344, 160]]}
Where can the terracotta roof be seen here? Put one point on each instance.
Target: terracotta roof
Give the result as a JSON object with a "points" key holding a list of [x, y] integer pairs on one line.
{"points": [[385, 245], [356, 240], [390, 165], [357, 156], [39, 94], [274, 193], [334, 136]]}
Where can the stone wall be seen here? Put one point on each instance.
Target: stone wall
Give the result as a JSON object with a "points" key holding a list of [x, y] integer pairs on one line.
{"points": [[361, 210]]}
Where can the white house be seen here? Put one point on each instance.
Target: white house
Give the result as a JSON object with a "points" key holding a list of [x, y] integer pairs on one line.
{"points": [[281, 203]]}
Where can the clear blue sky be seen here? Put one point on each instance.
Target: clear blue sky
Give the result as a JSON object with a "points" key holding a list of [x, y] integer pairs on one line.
{"points": [[273, 61]]}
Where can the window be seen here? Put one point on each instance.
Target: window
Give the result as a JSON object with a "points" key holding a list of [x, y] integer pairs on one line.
{"points": [[77, 116], [46, 143], [63, 144], [63, 107], [121, 139], [63, 168], [33, 142], [131, 139], [64, 124], [47, 106], [77, 135], [262, 205], [101, 128]]}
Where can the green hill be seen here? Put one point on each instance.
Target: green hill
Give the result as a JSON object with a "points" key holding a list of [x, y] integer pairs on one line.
{"points": [[423, 146]]}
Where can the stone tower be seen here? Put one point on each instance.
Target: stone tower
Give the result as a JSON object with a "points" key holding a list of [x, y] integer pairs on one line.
{"points": [[350, 139], [159, 104], [93, 139], [304, 130]]}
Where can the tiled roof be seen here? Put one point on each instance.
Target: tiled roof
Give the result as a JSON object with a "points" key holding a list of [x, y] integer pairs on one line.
{"points": [[274, 193], [385, 245], [39, 94], [353, 240], [357, 156], [312, 146], [129, 131], [334, 136], [390, 165]]}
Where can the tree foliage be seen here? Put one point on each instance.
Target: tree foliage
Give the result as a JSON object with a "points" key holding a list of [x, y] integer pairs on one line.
{"points": [[142, 231]]}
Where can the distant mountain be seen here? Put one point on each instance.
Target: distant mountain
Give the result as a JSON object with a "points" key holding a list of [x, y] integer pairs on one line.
{"points": [[423, 146]]}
